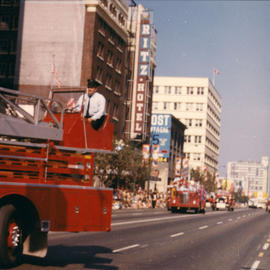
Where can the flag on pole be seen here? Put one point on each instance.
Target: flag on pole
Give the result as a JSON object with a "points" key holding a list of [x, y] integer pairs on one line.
{"points": [[58, 82], [216, 71]]}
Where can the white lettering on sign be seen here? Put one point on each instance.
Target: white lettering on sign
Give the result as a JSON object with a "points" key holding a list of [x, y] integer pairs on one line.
{"points": [[141, 87], [139, 117], [139, 97], [139, 107], [159, 130], [145, 42], [144, 56], [160, 119], [143, 70], [145, 29], [138, 127]]}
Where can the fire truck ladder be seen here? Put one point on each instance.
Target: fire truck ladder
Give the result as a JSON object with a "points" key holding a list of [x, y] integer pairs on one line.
{"points": [[21, 116]]}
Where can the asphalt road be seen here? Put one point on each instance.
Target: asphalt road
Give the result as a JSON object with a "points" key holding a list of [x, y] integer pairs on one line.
{"points": [[157, 239]]}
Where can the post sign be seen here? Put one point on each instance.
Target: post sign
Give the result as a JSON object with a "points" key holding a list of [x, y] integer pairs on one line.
{"points": [[161, 133]]}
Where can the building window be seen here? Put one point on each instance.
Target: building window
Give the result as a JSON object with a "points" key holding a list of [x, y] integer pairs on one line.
{"points": [[108, 82], [3, 46], [189, 106], [156, 89], [117, 89], [188, 122], [155, 105], [199, 107], [198, 139], [189, 90], [196, 156], [177, 90], [5, 22], [187, 138], [198, 123], [200, 91], [110, 58], [167, 90], [166, 105], [118, 65], [3, 69], [99, 74], [100, 50], [102, 27]]}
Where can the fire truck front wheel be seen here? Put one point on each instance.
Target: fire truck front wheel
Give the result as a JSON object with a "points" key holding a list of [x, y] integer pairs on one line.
{"points": [[11, 243]]}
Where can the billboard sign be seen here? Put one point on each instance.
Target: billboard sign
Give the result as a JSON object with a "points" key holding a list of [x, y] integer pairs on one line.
{"points": [[161, 133]]}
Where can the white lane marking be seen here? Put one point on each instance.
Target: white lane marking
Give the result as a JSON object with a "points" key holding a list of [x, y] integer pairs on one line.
{"points": [[220, 222], [177, 234], [255, 265], [137, 214], [230, 219], [203, 227], [265, 246], [125, 248], [147, 220]]}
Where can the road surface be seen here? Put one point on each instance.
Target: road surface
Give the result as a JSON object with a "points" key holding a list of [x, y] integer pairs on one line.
{"points": [[159, 240]]}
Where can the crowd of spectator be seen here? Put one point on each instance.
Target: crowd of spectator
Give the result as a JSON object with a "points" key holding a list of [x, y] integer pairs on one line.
{"points": [[140, 198]]}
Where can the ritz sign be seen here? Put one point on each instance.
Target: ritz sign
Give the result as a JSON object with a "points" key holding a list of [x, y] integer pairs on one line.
{"points": [[143, 73]]}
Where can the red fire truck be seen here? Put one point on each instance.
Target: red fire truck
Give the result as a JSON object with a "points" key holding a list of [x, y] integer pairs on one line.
{"points": [[187, 196], [46, 172]]}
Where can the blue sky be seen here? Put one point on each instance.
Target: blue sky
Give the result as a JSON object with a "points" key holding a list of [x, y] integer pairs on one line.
{"points": [[234, 37]]}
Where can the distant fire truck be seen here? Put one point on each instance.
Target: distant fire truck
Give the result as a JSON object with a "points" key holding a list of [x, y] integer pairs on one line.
{"points": [[46, 172], [187, 196], [223, 200]]}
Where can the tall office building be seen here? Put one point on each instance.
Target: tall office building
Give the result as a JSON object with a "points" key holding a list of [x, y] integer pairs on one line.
{"points": [[249, 176], [197, 104]]}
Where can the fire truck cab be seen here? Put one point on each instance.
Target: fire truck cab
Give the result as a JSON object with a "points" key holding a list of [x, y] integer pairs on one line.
{"points": [[187, 196], [46, 172]]}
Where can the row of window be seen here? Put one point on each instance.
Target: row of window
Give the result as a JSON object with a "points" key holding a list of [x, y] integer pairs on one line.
{"points": [[110, 82], [109, 57], [213, 113], [7, 69], [8, 22], [113, 109], [211, 127], [105, 30], [9, 3], [178, 90], [210, 160], [193, 156], [178, 106], [211, 144], [194, 139], [8, 46], [214, 98], [192, 122]]}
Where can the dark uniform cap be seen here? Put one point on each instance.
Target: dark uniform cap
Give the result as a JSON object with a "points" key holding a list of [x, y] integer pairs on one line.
{"points": [[92, 83]]}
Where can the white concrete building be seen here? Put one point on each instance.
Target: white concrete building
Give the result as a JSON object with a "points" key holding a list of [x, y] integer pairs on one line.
{"points": [[250, 176], [197, 104]]}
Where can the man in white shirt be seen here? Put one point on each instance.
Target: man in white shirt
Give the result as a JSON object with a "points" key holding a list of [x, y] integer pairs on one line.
{"points": [[94, 105]]}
